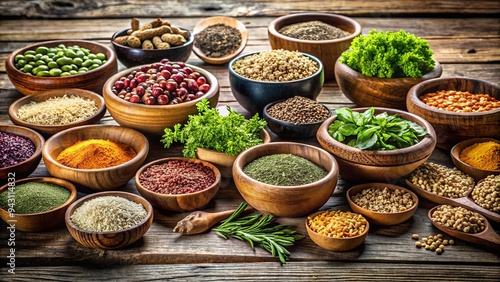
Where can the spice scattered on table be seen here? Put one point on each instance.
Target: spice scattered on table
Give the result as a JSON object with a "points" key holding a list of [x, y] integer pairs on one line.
{"points": [[284, 170], [442, 180], [458, 218], [177, 177], [313, 30], [218, 40], [95, 154], [486, 193], [383, 200], [435, 243], [299, 110], [483, 155], [15, 149], [276, 65], [34, 197], [57, 110], [460, 101], [337, 224], [108, 213]]}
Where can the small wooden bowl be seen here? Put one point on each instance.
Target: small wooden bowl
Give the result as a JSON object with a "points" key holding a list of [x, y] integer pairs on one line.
{"points": [[382, 218], [153, 119], [367, 91], [223, 161], [91, 80], [114, 239], [96, 179], [232, 22], [328, 51], [42, 221], [287, 201], [25, 168], [45, 95], [455, 127], [474, 172], [336, 244], [179, 202], [131, 57], [374, 165]]}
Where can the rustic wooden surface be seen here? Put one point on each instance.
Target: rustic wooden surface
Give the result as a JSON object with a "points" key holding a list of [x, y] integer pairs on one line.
{"points": [[465, 36]]}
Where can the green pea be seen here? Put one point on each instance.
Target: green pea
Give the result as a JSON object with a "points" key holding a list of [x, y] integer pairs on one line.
{"points": [[29, 57], [80, 54], [27, 68], [42, 50], [33, 63], [101, 56], [44, 58], [73, 72], [21, 63], [70, 53], [62, 46], [51, 55], [94, 66], [38, 56], [18, 57], [55, 72], [53, 65], [30, 52], [66, 68], [86, 51], [39, 63], [42, 68], [97, 61], [65, 73], [60, 53], [43, 73], [91, 56], [52, 50], [78, 61], [84, 69], [64, 61], [87, 63]]}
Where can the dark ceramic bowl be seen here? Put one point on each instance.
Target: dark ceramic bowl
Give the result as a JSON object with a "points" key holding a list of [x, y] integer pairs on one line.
{"points": [[130, 57], [289, 130], [254, 95]]}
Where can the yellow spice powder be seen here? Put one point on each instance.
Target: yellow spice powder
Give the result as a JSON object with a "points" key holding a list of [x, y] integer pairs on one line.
{"points": [[485, 155]]}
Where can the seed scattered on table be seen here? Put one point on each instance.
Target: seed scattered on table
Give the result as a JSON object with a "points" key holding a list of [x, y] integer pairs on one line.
{"points": [[434, 243]]}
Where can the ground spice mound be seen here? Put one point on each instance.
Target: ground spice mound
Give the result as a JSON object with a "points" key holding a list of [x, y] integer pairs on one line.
{"points": [[218, 40], [313, 30]]}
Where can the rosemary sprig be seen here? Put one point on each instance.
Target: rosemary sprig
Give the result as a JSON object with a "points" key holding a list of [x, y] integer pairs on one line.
{"points": [[255, 230]]}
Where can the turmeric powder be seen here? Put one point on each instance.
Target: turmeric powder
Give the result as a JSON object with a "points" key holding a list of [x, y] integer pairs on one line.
{"points": [[95, 154], [485, 155]]}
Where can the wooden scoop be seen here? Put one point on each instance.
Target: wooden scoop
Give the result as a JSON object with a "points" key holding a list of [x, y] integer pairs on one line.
{"points": [[200, 221], [488, 237]]}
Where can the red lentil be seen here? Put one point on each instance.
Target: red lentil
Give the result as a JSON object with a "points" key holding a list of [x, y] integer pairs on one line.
{"points": [[460, 101], [15, 149], [177, 177]]}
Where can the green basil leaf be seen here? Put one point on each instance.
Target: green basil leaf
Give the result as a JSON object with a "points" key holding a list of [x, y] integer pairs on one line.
{"points": [[348, 129], [352, 143], [344, 114], [338, 136]]}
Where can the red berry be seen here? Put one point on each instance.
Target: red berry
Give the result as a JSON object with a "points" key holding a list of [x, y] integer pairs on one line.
{"points": [[119, 85], [204, 88], [163, 99], [171, 85], [135, 98], [201, 80]]}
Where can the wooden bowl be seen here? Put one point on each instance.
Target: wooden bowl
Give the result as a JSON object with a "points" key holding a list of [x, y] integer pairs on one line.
{"points": [[454, 127], [375, 165], [287, 201], [45, 95], [254, 95], [336, 244], [223, 161], [381, 218], [328, 51], [367, 91], [179, 202], [474, 172], [96, 179], [153, 119], [131, 57], [232, 22], [114, 239], [42, 221], [25, 168], [91, 80]]}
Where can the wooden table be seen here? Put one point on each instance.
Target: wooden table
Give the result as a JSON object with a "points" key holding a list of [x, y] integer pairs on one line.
{"points": [[465, 37]]}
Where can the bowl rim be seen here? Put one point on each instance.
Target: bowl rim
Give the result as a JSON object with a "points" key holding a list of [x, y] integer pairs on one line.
{"points": [[29, 98], [38, 149], [44, 179], [214, 185], [79, 202], [365, 232], [460, 146], [414, 94], [108, 85], [120, 32], [10, 59], [240, 77], [266, 115], [272, 27]]}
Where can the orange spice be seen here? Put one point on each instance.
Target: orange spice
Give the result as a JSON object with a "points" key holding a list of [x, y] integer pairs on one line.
{"points": [[485, 155], [460, 101]]}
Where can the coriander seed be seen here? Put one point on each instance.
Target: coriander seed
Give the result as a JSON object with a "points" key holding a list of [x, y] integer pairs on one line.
{"points": [[415, 236]]}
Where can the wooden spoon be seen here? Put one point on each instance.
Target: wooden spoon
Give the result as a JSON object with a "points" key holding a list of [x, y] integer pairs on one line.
{"points": [[201, 25], [200, 221], [488, 237], [465, 202]]}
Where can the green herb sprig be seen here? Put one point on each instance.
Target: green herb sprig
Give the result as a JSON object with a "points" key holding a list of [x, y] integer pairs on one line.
{"points": [[255, 230], [368, 131], [230, 134]]}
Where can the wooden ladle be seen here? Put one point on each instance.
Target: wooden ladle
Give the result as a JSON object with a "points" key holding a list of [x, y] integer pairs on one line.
{"points": [[465, 202], [201, 25], [488, 237], [200, 221]]}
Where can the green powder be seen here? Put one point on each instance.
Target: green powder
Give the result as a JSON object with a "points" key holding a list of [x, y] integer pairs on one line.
{"points": [[284, 170], [34, 197]]}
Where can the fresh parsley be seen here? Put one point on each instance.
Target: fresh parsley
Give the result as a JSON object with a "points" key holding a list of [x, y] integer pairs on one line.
{"points": [[367, 131], [230, 134]]}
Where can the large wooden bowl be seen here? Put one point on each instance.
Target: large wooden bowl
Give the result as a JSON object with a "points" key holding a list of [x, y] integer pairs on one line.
{"points": [[91, 80], [96, 179], [381, 218], [365, 91], [42, 221], [328, 51], [179, 202], [375, 165], [232, 22], [473, 172], [115, 239], [452, 127], [289, 201], [153, 119], [25, 168], [45, 95]]}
